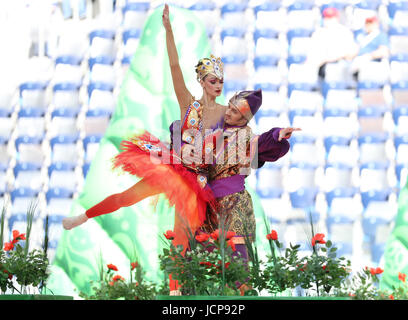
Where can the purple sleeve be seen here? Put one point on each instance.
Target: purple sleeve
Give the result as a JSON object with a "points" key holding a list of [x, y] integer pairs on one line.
{"points": [[269, 148]]}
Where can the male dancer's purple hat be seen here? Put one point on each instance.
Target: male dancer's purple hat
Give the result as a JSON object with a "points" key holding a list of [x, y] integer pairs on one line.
{"points": [[247, 102]]}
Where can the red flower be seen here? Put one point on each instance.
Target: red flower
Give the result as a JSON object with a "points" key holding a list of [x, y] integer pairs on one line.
{"points": [[202, 237], [206, 263], [391, 297], [325, 268], [117, 278], [402, 276], [10, 276], [134, 265], [170, 235], [272, 236], [318, 238], [232, 244], [216, 234], [112, 267], [374, 271], [18, 236], [227, 265], [8, 246], [303, 267]]}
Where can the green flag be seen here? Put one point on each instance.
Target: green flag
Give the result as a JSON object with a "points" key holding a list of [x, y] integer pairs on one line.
{"points": [[396, 250], [146, 101]]}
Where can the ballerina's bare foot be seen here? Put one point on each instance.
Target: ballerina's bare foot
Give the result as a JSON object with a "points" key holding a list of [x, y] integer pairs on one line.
{"points": [[72, 222]]}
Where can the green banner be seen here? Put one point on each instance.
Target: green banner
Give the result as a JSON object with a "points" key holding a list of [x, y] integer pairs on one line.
{"points": [[146, 101], [396, 250]]}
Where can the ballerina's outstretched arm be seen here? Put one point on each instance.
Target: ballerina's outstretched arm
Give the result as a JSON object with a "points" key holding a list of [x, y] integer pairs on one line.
{"points": [[139, 191]]}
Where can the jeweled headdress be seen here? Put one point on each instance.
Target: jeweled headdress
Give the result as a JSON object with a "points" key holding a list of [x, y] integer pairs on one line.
{"points": [[247, 102], [210, 65]]}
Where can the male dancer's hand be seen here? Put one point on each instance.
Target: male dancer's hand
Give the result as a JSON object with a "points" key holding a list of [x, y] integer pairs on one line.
{"points": [[286, 133]]}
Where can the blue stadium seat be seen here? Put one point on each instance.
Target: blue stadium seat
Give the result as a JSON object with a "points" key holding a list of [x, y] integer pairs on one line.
{"points": [[62, 176], [340, 192], [301, 14], [23, 193], [394, 6], [91, 145], [130, 39], [134, 15], [373, 148], [269, 181], [207, 12], [64, 149], [5, 156], [303, 197], [28, 175], [68, 59], [105, 60], [29, 149], [54, 230], [102, 43], [232, 86], [58, 193], [375, 195], [377, 252], [371, 95], [267, 6], [268, 15], [32, 94], [401, 159], [85, 169], [101, 96], [398, 40], [66, 96], [96, 121]]}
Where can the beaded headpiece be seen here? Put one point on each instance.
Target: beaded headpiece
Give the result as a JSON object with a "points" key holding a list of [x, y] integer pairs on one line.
{"points": [[210, 65]]}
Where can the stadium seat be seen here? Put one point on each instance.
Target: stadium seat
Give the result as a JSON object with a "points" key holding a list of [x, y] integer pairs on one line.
{"points": [[30, 149], [33, 94], [5, 155], [269, 181], [300, 175], [398, 40], [300, 14], [31, 122], [7, 100], [273, 102], [401, 159], [371, 95], [101, 97], [373, 149], [66, 96], [342, 99], [102, 72], [102, 43], [64, 148], [96, 121], [303, 197], [62, 175], [134, 15], [91, 145], [130, 42], [63, 122], [270, 16], [207, 13], [305, 150], [233, 15], [55, 230], [28, 175]]}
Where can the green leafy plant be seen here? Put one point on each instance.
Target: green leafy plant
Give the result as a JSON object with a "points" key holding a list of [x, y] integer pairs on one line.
{"points": [[112, 286], [19, 264], [208, 267]]}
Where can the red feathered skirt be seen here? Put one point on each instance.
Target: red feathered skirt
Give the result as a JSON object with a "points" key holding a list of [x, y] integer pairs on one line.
{"points": [[146, 157]]}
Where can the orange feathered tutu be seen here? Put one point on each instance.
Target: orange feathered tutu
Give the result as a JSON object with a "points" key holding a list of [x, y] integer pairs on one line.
{"points": [[148, 158]]}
